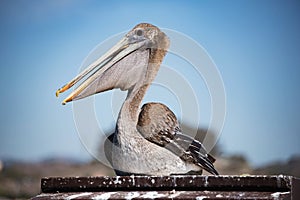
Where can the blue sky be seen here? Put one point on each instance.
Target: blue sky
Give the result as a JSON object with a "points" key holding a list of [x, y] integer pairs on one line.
{"points": [[255, 45]]}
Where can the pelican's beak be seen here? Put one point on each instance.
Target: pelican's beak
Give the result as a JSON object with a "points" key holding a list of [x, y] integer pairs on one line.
{"points": [[126, 46]]}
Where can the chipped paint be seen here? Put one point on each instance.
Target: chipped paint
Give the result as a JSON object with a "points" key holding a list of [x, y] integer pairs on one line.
{"points": [[78, 195], [133, 180], [172, 191], [132, 195], [174, 181], [43, 195], [201, 197], [175, 194], [153, 195], [206, 181], [279, 178], [277, 194], [104, 196], [242, 194], [117, 181]]}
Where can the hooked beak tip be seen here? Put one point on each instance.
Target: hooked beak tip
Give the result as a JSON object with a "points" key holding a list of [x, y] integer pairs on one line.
{"points": [[57, 92], [65, 87], [66, 100]]}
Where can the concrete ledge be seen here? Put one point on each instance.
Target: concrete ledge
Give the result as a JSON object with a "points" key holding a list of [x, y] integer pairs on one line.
{"points": [[176, 187]]}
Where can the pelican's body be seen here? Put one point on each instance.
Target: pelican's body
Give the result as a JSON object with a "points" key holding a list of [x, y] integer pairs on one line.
{"points": [[148, 140]]}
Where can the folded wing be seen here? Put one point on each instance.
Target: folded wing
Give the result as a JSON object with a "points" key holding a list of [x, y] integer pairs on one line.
{"points": [[158, 124]]}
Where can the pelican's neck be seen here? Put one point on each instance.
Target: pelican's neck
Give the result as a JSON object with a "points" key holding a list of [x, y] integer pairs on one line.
{"points": [[128, 116]]}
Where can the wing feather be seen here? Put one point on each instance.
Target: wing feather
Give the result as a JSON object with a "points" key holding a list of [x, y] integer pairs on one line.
{"points": [[158, 124]]}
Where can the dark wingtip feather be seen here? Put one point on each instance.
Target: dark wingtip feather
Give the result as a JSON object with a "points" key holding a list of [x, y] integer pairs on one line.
{"points": [[211, 158]]}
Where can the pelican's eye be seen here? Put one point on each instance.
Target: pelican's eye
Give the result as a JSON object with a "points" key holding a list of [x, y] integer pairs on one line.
{"points": [[139, 32]]}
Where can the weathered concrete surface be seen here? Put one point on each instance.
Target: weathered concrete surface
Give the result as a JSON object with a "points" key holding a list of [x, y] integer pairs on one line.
{"points": [[166, 195], [176, 187]]}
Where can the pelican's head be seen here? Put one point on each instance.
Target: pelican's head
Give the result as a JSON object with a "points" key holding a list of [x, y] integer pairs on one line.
{"points": [[134, 59]]}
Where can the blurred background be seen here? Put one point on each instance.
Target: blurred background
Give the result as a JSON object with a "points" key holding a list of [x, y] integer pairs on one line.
{"points": [[254, 44]]}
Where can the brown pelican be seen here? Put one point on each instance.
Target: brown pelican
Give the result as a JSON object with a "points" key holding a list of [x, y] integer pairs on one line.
{"points": [[147, 140]]}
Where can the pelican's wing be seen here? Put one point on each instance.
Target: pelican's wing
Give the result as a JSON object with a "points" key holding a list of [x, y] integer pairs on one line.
{"points": [[192, 150], [158, 124], [186, 148]]}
